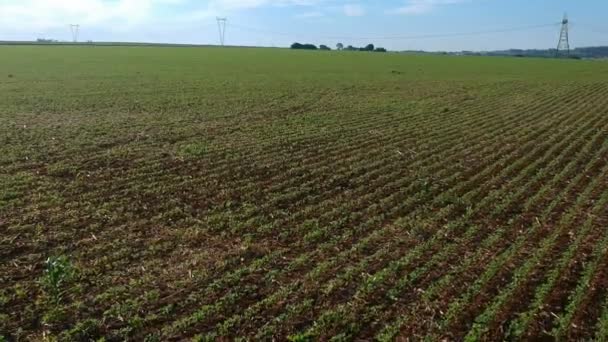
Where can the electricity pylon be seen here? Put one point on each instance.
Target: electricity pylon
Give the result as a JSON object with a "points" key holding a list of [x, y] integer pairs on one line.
{"points": [[74, 28], [221, 25], [563, 46]]}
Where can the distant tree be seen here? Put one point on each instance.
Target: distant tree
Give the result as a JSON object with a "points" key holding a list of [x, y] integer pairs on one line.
{"points": [[298, 46], [340, 46], [324, 48], [368, 47]]}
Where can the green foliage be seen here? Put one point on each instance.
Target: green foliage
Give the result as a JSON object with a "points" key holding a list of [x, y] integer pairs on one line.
{"points": [[58, 274], [152, 338], [301, 337], [82, 331], [61, 170], [195, 149]]}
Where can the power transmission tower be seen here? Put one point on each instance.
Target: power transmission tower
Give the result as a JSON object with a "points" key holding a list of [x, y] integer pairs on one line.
{"points": [[563, 46], [221, 25], [74, 28]]}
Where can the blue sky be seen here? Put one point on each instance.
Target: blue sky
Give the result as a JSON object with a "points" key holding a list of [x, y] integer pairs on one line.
{"points": [[394, 24]]}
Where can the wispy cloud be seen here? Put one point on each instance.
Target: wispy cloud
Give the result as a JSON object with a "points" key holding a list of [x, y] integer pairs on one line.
{"points": [[237, 4], [246, 4], [313, 14], [353, 10], [134, 19], [48, 14], [44, 14], [424, 6]]}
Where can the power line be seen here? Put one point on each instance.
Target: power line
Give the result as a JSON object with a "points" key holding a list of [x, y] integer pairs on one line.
{"points": [[459, 34], [262, 31], [411, 37], [591, 28]]}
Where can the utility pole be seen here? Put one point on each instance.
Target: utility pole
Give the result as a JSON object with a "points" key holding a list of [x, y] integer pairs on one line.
{"points": [[221, 25], [74, 28], [563, 46]]}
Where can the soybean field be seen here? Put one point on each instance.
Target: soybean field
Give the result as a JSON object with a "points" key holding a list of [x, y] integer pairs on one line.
{"points": [[164, 193]]}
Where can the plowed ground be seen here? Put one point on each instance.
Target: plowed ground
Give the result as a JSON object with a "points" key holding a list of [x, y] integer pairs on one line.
{"points": [[223, 193]]}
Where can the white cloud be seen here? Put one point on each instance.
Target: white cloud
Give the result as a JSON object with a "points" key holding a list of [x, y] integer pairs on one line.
{"points": [[354, 10], [41, 15], [46, 14], [424, 6], [145, 20], [245, 4]]}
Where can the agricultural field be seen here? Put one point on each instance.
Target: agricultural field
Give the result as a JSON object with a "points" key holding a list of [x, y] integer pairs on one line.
{"points": [[164, 194]]}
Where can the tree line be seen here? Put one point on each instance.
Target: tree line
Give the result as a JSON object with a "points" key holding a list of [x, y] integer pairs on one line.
{"points": [[339, 47]]}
